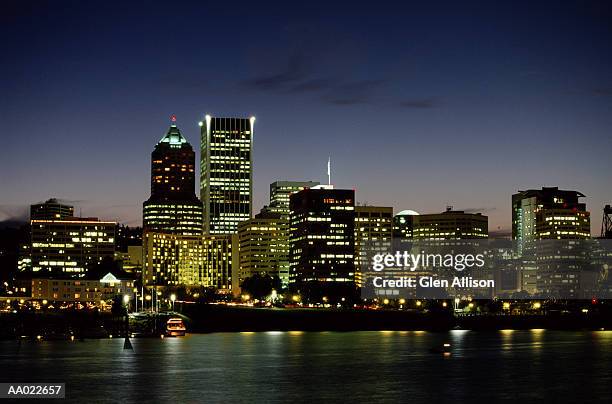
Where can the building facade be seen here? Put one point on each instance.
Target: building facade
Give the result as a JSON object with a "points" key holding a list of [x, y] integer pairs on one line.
{"points": [[322, 241], [173, 206], [226, 172], [373, 233], [72, 246], [174, 259], [264, 247], [549, 213], [87, 290], [403, 224], [280, 191], [450, 225], [549, 267], [51, 209], [172, 216]]}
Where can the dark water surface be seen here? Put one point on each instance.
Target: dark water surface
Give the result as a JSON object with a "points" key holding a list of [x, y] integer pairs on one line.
{"points": [[328, 366]]}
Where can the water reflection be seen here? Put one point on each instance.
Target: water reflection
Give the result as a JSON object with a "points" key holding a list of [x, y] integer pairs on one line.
{"points": [[357, 366]]}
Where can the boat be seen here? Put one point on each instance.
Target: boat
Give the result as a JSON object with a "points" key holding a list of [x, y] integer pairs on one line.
{"points": [[444, 349], [175, 327]]}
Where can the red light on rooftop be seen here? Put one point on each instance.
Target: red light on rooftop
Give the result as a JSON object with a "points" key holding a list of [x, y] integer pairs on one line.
{"points": [[173, 118]]}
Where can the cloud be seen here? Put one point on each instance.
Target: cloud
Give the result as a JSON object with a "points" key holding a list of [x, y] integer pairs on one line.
{"points": [[418, 103], [313, 85], [353, 92], [603, 91], [14, 213], [297, 78], [293, 73]]}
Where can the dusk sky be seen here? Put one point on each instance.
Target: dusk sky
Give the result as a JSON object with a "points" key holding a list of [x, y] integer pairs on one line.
{"points": [[419, 105]]}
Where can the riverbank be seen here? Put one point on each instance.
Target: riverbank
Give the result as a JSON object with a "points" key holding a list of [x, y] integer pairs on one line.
{"points": [[209, 318]]}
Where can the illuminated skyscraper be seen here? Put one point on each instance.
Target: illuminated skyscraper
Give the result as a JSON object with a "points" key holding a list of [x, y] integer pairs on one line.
{"points": [[322, 241], [173, 206], [373, 232], [71, 246], [280, 192], [51, 209], [172, 218], [226, 172], [264, 247], [450, 225], [540, 216], [549, 213]]}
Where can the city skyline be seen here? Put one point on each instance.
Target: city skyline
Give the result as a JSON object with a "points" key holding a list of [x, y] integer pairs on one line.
{"points": [[404, 130]]}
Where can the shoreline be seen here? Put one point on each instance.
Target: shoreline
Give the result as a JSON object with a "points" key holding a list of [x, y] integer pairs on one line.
{"points": [[204, 319]]}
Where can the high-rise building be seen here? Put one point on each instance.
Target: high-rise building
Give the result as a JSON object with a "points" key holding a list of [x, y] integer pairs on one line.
{"points": [[203, 260], [450, 225], [373, 232], [264, 247], [173, 206], [221, 260], [51, 209], [322, 241], [280, 191], [226, 172], [172, 217], [540, 216], [174, 259], [549, 213], [71, 246]]}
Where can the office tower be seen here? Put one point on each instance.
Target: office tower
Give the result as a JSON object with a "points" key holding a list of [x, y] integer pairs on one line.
{"points": [[51, 209], [403, 224], [322, 241], [549, 213], [606, 222], [226, 172], [71, 246], [173, 206], [204, 260], [450, 225], [221, 258], [373, 234], [280, 192], [540, 216], [174, 259], [264, 247]]}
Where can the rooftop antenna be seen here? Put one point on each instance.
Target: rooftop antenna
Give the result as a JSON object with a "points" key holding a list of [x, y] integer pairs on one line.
{"points": [[329, 171]]}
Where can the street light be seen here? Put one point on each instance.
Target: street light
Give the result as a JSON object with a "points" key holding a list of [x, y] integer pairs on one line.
{"points": [[126, 301], [172, 299]]}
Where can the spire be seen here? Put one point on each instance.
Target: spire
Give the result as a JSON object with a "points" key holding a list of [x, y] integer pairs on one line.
{"points": [[174, 136]]}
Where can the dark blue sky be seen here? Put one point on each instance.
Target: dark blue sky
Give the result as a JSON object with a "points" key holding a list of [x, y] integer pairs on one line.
{"points": [[420, 105]]}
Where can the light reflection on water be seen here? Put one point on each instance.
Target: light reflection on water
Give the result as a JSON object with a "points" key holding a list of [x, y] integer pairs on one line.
{"points": [[305, 366]]}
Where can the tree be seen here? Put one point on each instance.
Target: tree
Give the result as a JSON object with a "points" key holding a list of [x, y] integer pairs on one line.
{"points": [[260, 286]]}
